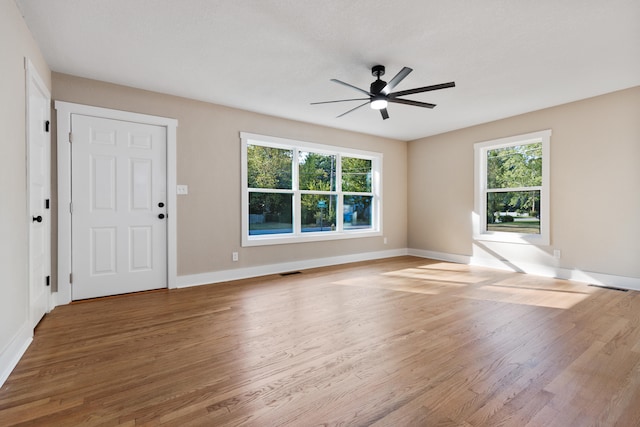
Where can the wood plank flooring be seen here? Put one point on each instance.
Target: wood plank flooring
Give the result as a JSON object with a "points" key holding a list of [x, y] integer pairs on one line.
{"points": [[397, 342]]}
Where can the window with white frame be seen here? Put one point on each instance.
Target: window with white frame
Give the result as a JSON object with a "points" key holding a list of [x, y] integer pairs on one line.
{"points": [[512, 189], [299, 192]]}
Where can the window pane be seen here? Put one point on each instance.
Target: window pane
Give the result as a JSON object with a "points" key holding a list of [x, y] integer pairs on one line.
{"points": [[317, 171], [269, 167], [270, 213], [318, 212], [514, 211], [357, 212], [356, 175], [512, 167]]}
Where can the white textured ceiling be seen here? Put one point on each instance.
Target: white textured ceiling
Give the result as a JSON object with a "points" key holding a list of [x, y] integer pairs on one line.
{"points": [[276, 56]]}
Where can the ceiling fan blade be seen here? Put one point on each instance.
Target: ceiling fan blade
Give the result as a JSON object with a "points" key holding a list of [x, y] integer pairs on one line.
{"points": [[422, 89], [385, 114], [411, 102], [351, 86], [397, 79], [340, 100], [353, 109]]}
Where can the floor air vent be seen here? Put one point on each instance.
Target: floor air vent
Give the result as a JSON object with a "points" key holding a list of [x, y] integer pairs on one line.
{"points": [[613, 288], [290, 273]]}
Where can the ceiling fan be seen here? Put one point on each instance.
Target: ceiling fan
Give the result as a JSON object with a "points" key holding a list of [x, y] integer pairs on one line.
{"points": [[379, 94]]}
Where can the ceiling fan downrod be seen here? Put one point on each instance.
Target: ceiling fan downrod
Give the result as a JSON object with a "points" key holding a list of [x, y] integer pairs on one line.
{"points": [[377, 71]]}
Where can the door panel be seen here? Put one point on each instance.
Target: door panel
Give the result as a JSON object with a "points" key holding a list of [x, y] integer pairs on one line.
{"points": [[141, 251], [39, 158], [103, 249], [141, 189], [103, 183], [118, 185]]}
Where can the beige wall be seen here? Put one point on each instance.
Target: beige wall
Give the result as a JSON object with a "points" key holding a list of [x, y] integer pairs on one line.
{"points": [[208, 153], [595, 187], [16, 43]]}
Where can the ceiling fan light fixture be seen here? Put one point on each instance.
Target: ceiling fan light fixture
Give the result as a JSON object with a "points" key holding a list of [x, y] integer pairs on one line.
{"points": [[380, 92], [379, 104]]}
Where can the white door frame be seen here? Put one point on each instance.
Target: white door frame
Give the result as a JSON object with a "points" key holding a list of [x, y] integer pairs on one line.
{"points": [[64, 111], [35, 84]]}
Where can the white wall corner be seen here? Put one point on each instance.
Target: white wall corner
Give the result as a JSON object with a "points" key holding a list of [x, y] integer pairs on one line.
{"points": [[14, 350]]}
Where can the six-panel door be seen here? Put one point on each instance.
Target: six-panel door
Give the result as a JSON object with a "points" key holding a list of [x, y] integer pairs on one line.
{"points": [[118, 192]]}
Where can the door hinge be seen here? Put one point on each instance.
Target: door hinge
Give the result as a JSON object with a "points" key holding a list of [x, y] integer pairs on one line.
{"points": [[70, 207], [48, 280], [70, 137], [70, 277], [46, 203], [46, 126]]}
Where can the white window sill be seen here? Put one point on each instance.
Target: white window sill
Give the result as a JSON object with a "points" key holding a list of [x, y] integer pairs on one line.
{"points": [[518, 238], [271, 239]]}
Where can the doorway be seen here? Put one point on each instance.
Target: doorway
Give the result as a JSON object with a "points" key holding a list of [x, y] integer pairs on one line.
{"points": [[116, 193]]}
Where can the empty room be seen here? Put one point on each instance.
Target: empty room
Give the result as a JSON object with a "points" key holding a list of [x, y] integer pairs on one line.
{"points": [[320, 213]]}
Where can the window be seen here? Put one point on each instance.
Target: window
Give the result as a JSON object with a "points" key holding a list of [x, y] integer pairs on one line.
{"points": [[299, 192], [512, 197]]}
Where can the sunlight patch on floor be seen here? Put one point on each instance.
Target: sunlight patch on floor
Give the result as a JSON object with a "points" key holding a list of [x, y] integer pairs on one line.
{"points": [[403, 284], [439, 274], [438, 278], [550, 293]]}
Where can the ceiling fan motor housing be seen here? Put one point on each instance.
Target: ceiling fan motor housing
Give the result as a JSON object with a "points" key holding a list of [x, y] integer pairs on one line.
{"points": [[378, 85]]}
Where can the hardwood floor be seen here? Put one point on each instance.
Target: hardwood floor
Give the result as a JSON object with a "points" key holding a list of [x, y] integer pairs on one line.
{"points": [[397, 342]]}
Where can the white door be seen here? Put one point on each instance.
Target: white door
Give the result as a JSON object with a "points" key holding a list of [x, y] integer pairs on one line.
{"points": [[119, 198], [39, 169]]}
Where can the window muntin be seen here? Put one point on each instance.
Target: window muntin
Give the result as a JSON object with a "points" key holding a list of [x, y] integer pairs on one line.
{"points": [[512, 179], [294, 191]]}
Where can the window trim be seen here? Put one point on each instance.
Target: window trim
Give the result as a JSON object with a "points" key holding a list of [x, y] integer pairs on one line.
{"points": [[480, 231], [298, 236]]}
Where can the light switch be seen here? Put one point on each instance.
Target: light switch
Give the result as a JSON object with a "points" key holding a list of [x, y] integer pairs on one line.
{"points": [[182, 189]]}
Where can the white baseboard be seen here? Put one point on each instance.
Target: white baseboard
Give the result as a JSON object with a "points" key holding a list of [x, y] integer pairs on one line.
{"points": [[14, 350], [440, 256], [576, 275], [264, 270], [600, 279]]}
